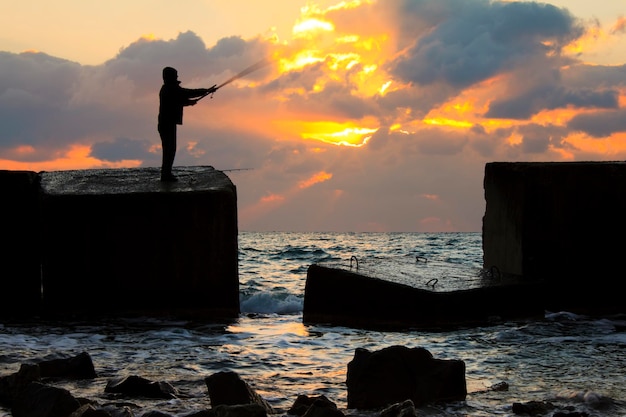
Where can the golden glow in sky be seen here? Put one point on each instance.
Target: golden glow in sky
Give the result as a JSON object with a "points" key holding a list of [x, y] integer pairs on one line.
{"points": [[363, 104]]}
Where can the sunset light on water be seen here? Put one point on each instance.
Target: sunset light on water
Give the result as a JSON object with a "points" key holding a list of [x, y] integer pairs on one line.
{"points": [[356, 129]]}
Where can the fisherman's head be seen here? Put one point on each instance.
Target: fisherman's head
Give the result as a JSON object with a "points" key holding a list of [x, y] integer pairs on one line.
{"points": [[170, 75]]}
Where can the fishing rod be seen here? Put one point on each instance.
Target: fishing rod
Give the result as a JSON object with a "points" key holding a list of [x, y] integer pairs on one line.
{"points": [[262, 63]]}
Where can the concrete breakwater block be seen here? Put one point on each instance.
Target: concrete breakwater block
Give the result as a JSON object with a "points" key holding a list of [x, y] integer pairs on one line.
{"points": [[409, 293], [121, 241], [20, 283], [563, 223]]}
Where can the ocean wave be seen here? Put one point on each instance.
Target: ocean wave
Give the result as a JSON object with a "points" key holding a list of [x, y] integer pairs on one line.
{"points": [[268, 303]]}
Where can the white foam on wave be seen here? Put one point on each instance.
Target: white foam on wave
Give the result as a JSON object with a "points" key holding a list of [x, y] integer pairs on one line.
{"points": [[267, 303]]}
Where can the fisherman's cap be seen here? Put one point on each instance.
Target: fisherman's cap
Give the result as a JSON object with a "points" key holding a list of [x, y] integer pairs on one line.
{"points": [[170, 74]]}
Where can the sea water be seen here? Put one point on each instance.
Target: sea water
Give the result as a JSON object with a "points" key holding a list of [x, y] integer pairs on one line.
{"points": [[565, 359]]}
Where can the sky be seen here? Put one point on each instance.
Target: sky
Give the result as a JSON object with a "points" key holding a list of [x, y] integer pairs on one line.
{"points": [[369, 116]]}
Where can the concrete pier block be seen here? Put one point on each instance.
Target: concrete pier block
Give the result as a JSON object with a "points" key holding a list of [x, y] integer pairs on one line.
{"points": [[562, 223], [121, 241], [395, 296]]}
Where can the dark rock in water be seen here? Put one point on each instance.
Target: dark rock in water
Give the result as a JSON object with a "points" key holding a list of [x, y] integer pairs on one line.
{"points": [[12, 385], [319, 409], [533, 408], [76, 367], [136, 386], [303, 402], [397, 373], [319, 406], [404, 409], [228, 388], [40, 400]]}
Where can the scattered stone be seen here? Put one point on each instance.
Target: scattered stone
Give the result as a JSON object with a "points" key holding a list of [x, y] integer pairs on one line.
{"points": [[76, 367], [323, 407], [136, 386], [12, 385], [533, 408], [378, 377], [500, 386], [397, 373], [304, 402], [227, 388], [403, 409], [41, 400]]}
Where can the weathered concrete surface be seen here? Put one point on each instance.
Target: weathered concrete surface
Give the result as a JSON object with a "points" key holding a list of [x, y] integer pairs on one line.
{"points": [[563, 223], [124, 241], [398, 298], [20, 281], [121, 241]]}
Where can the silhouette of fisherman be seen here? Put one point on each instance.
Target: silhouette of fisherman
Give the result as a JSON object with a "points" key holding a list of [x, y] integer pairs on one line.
{"points": [[172, 99]]}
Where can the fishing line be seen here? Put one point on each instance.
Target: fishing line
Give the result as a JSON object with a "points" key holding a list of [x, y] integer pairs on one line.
{"points": [[262, 63]]}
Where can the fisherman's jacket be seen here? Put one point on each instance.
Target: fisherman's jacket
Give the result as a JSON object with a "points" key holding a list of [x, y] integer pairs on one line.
{"points": [[172, 99]]}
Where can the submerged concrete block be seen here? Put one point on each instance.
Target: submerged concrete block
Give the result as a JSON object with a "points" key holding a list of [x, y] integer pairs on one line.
{"points": [[561, 223], [119, 241], [399, 294]]}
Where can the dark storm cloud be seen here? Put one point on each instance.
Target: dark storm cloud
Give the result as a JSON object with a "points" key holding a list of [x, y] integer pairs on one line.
{"points": [[25, 72], [428, 142], [595, 76], [420, 101], [533, 140], [343, 104], [438, 142], [600, 124], [336, 100], [478, 39], [549, 98], [121, 149], [538, 139], [34, 88]]}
